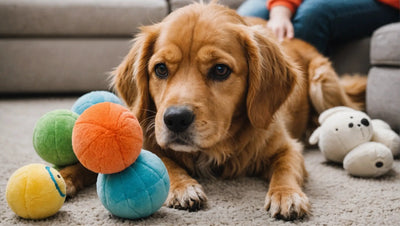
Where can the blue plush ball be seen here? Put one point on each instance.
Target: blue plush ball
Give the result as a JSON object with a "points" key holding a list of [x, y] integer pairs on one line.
{"points": [[138, 191], [92, 98]]}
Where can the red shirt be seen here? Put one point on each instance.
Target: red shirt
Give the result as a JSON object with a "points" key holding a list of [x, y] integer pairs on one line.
{"points": [[393, 3], [294, 4], [291, 4]]}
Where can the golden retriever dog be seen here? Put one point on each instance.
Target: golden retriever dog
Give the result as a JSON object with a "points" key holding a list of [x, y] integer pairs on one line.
{"points": [[217, 96]]}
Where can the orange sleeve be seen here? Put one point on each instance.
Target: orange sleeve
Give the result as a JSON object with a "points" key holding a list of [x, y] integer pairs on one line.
{"points": [[393, 3], [291, 4]]}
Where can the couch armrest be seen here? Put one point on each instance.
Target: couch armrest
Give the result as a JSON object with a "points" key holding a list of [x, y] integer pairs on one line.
{"points": [[385, 45], [383, 95]]}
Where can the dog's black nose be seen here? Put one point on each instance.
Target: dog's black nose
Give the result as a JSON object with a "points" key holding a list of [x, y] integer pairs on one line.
{"points": [[178, 119], [365, 122]]}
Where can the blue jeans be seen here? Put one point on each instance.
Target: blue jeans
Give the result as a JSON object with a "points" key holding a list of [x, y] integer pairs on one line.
{"points": [[323, 22]]}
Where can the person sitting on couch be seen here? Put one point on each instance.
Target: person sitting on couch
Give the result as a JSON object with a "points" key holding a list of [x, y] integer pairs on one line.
{"points": [[321, 22]]}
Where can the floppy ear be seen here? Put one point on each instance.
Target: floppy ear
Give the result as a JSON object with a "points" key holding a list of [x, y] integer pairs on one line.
{"points": [[131, 76], [271, 76]]}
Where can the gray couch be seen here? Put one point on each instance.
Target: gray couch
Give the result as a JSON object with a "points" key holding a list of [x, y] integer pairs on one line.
{"points": [[383, 88], [70, 46]]}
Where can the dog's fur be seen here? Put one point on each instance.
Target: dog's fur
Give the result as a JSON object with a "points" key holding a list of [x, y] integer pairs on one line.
{"points": [[249, 123]]}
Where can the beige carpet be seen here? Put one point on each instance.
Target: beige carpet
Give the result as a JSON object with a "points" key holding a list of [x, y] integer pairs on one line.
{"points": [[337, 199]]}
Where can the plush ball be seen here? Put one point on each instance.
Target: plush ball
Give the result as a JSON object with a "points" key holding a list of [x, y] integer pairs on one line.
{"points": [[107, 138], [138, 191], [35, 191], [92, 98], [52, 137]]}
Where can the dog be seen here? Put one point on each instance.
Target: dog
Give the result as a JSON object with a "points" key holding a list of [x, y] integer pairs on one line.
{"points": [[218, 96]]}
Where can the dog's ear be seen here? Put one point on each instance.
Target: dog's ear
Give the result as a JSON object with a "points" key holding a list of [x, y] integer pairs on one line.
{"points": [[131, 76], [271, 77]]}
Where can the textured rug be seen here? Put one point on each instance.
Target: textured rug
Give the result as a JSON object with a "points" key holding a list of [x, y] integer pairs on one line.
{"points": [[336, 198]]}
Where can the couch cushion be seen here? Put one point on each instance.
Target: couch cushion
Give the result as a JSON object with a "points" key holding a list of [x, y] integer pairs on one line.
{"points": [[385, 45], [78, 17], [233, 4], [383, 92], [59, 65]]}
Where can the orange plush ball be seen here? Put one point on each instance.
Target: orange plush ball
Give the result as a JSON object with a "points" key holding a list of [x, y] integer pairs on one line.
{"points": [[107, 138]]}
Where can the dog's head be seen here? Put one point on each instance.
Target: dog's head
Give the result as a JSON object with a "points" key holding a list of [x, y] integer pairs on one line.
{"points": [[190, 77]]}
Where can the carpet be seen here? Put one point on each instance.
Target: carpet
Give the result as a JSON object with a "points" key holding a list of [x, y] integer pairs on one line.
{"points": [[336, 198]]}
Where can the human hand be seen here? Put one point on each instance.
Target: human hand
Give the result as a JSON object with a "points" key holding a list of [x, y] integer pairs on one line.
{"points": [[280, 24]]}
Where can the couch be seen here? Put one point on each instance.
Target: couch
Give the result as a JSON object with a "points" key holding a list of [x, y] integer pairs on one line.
{"points": [[67, 46], [383, 88], [71, 46]]}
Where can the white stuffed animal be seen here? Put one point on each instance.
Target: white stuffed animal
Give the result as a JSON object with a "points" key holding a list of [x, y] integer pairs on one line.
{"points": [[365, 147]]}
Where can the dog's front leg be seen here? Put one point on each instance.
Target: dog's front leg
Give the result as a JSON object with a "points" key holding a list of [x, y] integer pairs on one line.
{"points": [[285, 198], [185, 192]]}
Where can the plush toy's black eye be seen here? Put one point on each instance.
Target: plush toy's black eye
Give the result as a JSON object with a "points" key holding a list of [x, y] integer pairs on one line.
{"points": [[219, 72], [351, 125], [337, 129], [58, 176], [379, 164], [161, 70]]}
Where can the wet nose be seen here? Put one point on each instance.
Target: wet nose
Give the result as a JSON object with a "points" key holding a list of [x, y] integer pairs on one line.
{"points": [[178, 119], [365, 122]]}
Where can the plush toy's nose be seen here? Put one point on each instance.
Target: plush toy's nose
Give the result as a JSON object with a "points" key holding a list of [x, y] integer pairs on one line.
{"points": [[365, 122]]}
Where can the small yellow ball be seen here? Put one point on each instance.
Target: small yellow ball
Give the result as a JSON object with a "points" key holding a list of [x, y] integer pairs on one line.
{"points": [[35, 191]]}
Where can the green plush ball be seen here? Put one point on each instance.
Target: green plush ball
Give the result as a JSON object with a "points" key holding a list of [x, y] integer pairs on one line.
{"points": [[52, 137]]}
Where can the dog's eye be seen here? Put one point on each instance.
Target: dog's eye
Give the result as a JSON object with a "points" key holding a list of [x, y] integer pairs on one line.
{"points": [[161, 70], [219, 72]]}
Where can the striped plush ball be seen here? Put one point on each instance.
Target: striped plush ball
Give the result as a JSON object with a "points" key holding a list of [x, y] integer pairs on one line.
{"points": [[35, 191]]}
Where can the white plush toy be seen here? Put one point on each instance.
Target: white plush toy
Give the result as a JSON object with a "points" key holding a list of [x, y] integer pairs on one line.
{"points": [[365, 147]]}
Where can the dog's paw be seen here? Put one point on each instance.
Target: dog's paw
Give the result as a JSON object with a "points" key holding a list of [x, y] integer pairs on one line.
{"points": [[190, 197], [71, 189], [287, 204], [77, 177]]}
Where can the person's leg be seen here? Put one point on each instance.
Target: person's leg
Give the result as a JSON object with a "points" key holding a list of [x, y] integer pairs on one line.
{"points": [[361, 19], [312, 23], [322, 22], [254, 8]]}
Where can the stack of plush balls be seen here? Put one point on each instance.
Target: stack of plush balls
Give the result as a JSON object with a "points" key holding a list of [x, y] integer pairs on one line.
{"points": [[107, 139], [52, 136]]}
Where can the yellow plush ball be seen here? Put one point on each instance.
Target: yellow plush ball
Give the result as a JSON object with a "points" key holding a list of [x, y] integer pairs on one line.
{"points": [[35, 191]]}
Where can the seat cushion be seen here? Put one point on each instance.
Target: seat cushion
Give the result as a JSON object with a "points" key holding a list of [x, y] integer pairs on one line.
{"points": [[78, 17], [385, 45], [383, 92], [59, 65]]}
